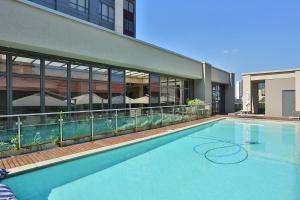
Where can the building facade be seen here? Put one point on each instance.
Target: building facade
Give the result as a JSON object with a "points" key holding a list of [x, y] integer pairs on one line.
{"points": [[52, 61], [273, 93], [116, 15]]}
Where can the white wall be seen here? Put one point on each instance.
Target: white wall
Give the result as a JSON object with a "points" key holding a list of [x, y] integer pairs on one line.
{"points": [[119, 16], [34, 29]]}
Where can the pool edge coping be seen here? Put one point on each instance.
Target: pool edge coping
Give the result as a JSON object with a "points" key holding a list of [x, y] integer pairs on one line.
{"points": [[43, 164]]}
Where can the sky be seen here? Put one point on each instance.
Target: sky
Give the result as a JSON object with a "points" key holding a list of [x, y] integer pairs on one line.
{"points": [[235, 35]]}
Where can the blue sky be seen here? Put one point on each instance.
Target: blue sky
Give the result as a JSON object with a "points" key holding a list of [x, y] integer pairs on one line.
{"points": [[235, 35]]}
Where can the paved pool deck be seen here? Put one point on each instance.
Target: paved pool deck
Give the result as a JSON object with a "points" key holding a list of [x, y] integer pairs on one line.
{"points": [[26, 162]]}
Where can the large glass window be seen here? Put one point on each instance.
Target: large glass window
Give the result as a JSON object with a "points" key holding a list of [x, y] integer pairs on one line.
{"points": [[137, 88], [3, 91], [100, 88], [107, 12], [171, 91], [80, 5], [155, 89], [26, 85], [118, 88], [186, 91], [163, 90], [80, 96], [56, 86], [218, 98]]}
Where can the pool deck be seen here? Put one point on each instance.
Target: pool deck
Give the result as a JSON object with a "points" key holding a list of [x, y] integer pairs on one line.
{"points": [[21, 163]]}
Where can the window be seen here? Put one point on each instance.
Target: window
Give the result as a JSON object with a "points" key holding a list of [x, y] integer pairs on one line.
{"points": [[3, 90], [128, 5], [155, 89], [100, 88], [218, 98], [117, 88], [26, 85], [128, 25], [56, 86], [80, 92], [80, 5], [107, 12], [137, 87]]}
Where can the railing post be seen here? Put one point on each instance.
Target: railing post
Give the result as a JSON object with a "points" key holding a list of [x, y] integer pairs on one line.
{"points": [[92, 126], [173, 114], [151, 117], [61, 129], [136, 122], [116, 119], [162, 116], [19, 123]]}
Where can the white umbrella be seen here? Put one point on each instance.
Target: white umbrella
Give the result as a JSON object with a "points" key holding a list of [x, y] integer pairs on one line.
{"points": [[85, 99], [141, 100], [34, 100]]}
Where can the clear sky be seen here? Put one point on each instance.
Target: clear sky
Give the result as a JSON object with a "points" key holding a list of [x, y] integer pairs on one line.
{"points": [[235, 35]]}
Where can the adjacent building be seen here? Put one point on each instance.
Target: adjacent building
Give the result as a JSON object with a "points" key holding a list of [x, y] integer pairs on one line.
{"points": [[273, 93], [72, 55], [118, 16]]}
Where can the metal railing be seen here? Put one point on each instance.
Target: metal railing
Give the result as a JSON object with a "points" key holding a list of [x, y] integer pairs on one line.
{"points": [[31, 132]]}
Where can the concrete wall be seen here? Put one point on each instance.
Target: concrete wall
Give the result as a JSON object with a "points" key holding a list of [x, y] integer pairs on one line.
{"points": [[297, 87], [202, 88], [220, 76], [247, 93], [273, 89], [119, 16], [50, 32]]}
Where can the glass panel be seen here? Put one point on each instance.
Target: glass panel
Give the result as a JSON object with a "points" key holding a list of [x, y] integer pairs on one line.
{"points": [[171, 91], [163, 90], [117, 88], [131, 7], [104, 123], [3, 91], [56, 86], [137, 88], [155, 89], [80, 97], [26, 85], [111, 14], [104, 10], [100, 88], [37, 130]]}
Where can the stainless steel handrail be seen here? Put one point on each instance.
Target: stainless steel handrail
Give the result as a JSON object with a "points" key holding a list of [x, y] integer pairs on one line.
{"points": [[94, 111]]}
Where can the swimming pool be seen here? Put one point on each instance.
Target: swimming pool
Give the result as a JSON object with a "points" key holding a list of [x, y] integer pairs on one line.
{"points": [[228, 159]]}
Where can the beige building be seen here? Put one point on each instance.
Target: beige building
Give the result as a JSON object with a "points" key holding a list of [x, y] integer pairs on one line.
{"points": [[281, 90]]}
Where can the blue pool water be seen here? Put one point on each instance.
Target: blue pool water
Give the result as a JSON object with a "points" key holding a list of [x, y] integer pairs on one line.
{"points": [[228, 159]]}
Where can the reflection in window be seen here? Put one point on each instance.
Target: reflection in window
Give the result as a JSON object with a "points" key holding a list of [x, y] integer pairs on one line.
{"points": [[137, 88], [80, 5], [26, 85], [107, 12], [128, 5], [218, 98], [163, 90], [80, 96], [117, 88], [155, 89], [100, 88], [3, 91], [56, 86]]}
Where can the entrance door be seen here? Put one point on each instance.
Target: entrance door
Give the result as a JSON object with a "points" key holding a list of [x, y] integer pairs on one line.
{"points": [[288, 103]]}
